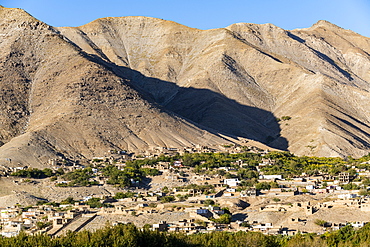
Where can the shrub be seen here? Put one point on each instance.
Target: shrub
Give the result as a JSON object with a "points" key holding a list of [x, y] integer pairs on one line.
{"points": [[166, 199], [224, 219], [320, 222], [121, 195], [208, 202], [41, 225]]}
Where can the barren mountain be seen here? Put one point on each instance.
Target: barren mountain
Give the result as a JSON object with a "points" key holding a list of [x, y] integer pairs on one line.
{"points": [[56, 100], [137, 82], [240, 79]]}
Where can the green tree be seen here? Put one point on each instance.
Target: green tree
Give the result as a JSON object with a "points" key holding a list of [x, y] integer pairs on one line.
{"points": [[320, 222], [121, 195], [286, 118], [224, 219], [68, 200], [166, 199], [41, 225], [208, 202], [351, 186], [94, 202], [263, 186]]}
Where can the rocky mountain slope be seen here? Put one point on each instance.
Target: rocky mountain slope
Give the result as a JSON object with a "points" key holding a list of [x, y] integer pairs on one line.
{"points": [[136, 82], [56, 100], [240, 79]]}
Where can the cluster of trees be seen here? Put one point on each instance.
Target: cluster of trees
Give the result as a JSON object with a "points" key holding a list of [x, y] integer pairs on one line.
{"points": [[224, 218], [216, 160], [79, 177], [41, 225], [115, 176], [122, 195], [166, 199], [131, 236], [150, 171], [97, 203], [266, 185], [93, 202], [122, 178], [205, 189], [83, 177], [285, 164], [37, 173], [289, 165], [201, 187]]}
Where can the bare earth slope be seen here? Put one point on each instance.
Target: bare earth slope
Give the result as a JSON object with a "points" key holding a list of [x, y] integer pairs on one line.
{"points": [[240, 78], [137, 82], [58, 101]]}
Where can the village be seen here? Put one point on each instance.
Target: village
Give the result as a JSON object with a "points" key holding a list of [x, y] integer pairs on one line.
{"points": [[181, 198]]}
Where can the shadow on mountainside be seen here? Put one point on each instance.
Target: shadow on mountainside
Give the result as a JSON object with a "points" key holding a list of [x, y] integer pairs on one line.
{"points": [[206, 109], [322, 56]]}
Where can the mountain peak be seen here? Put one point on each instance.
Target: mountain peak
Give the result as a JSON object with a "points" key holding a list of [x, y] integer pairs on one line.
{"points": [[324, 23], [17, 15]]}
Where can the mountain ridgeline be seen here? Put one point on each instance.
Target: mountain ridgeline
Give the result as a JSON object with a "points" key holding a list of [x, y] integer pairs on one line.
{"points": [[132, 83]]}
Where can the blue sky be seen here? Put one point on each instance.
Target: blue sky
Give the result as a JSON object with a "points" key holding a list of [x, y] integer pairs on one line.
{"points": [[205, 14]]}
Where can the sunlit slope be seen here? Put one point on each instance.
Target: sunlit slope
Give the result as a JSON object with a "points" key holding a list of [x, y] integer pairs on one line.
{"points": [[240, 79]]}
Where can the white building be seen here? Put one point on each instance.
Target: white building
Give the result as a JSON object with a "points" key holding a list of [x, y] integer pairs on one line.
{"points": [[310, 187], [347, 196], [232, 182], [271, 177]]}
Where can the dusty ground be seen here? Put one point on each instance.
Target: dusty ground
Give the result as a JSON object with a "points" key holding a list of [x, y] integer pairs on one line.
{"points": [[28, 193]]}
